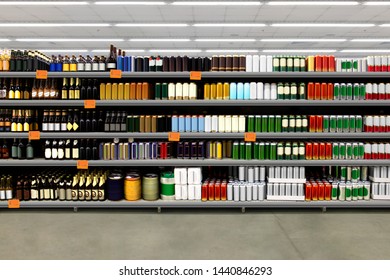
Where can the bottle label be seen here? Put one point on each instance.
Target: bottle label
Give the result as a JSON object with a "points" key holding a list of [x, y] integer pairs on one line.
{"points": [[19, 127], [152, 62], [69, 126], [87, 194], [26, 127], [54, 153], [56, 127], [159, 62], [80, 67], [47, 153], [88, 67], [8, 194], [34, 193], [81, 194], [73, 67], [2, 194], [111, 65], [3, 93], [101, 194], [102, 67], [68, 194], [95, 195], [63, 127], [75, 126], [75, 153], [74, 195], [46, 94], [44, 127], [95, 67], [67, 153], [62, 194], [60, 153], [51, 127], [47, 193]]}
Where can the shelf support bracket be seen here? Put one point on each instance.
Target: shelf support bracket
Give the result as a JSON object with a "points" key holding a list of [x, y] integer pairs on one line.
{"points": [[243, 210], [158, 209], [323, 209], [75, 209]]}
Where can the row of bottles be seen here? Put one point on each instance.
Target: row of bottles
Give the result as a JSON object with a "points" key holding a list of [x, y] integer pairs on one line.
{"points": [[23, 60], [20, 149], [15, 89], [83, 149], [18, 120]]}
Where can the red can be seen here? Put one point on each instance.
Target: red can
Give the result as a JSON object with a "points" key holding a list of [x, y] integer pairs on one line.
{"points": [[388, 95], [315, 151], [329, 151], [309, 151], [387, 155], [224, 190], [217, 190], [308, 191], [310, 91], [211, 190], [205, 191], [319, 123], [314, 191], [321, 191], [325, 63], [331, 63], [324, 91], [330, 91], [312, 124], [317, 91], [322, 151], [328, 190], [318, 63], [162, 147]]}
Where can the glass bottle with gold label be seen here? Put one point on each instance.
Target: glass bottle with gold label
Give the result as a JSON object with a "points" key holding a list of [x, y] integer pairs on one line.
{"points": [[71, 92], [18, 94], [64, 90], [14, 121], [11, 92], [26, 91]]}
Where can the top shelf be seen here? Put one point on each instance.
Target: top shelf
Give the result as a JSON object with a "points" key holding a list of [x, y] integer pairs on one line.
{"points": [[205, 75]]}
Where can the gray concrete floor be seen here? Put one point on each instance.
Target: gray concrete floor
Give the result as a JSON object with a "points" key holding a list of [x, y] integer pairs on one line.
{"points": [[183, 234]]}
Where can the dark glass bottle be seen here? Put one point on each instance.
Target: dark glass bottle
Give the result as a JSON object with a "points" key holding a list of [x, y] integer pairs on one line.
{"points": [[88, 125], [89, 89], [83, 90], [95, 90], [100, 122], [14, 150], [21, 150], [29, 151], [94, 122], [82, 150], [82, 122]]}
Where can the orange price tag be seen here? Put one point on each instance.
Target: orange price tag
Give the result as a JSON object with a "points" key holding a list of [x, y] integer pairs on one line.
{"points": [[250, 137], [41, 74], [89, 104], [174, 136], [34, 135], [82, 164], [195, 75], [14, 203], [115, 74]]}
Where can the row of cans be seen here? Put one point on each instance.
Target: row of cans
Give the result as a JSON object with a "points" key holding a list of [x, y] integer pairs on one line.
{"points": [[288, 63], [336, 123], [329, 150], [258, 63], [233, 191], [379, 91], [228, 63], [343, 191], [378, 63], [276, 123], [380, 172], [268, 150], [188, 192], [149, 123], [285, 189], [320, 63], [382, 189], [286, 172], [175, 91], [349, 91], [351, 64]]}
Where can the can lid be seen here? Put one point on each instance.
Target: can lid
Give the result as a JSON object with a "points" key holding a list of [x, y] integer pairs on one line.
{"points": [[115, 175]]}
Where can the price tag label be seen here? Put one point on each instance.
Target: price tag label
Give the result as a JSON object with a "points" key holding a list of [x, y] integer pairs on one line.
{"points": [[41, 74], [115, 74], [89, 104], [195, 75], [82, 164], [174, 136], [34, 135], [14, 203], [250, 137]]}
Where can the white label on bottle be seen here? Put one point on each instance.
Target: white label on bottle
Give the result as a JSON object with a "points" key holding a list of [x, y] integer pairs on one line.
{"points": [[80, 67], [56, 127], [60, 153], [75, 153], [67, 152], [298, 123], [47, 153], [287, 150], [95, 66], [88, 67], [292, 122], [102, 67], [51, 127], [3, 93], [47, 94], [2, 194], [68, 194], [301, 150], [95, 194], [101, 194], [304, 122], [152, 62], [285, 123], [47, 193], [54, 153], [111, 65], [159, 62], [63, 127], [34, 193], [44, 127], [87, 194], [280, 150], [8, 194], [62, 194], [81, 194]]}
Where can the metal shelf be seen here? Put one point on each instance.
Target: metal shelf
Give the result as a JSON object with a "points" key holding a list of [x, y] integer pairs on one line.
{"points": [[197, 135], [197, 103], [205, 75], [195, 162], [200, 204]]}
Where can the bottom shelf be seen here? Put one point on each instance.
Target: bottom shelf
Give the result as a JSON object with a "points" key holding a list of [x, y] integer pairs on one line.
{"points": [[201, 204]]}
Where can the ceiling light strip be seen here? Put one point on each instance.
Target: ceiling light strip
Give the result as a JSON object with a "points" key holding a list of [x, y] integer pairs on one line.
{"points": [[302, 40], [229, 24], [216, 3], [151, 24], [54, 24], [377, 3], [158, 40], [140, 3], [232, 51], [42, 3], [322, 24], [225, 40], [67, 40], [313, 3], [172, 51]]}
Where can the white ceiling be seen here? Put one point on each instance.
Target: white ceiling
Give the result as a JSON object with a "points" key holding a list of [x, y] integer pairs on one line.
{"points": [[267, 14]]}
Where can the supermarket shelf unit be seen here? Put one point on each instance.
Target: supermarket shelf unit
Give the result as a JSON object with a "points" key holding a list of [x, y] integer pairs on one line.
{"points": [[275, 76], [199, 135]]}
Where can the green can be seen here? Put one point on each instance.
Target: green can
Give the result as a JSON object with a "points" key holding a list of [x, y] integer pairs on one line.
{"points": [[336, 91], [283, 63], [355, 174], [256, 150], [287, 150], [360, 190], [344, 65], [291, 124], [349, 91], [349, 65], [355, 65], [298, 123], [267, 150], [261, 151], [257, 123], [355, 191], [361, 150], [343, 173], [342, 151], [280, 90], [242, 150], [285, 123], [273, 151], [349, 153], [157, 91], [301, 151], [271, 123], [355, 151], [343, 91], [290, 64], [302, 91], [250, 123], [295, 151], [339, 123], [304, 123], [302, 64], [356, 91], [366, 190], [164, 91], [264, 123], [130, 124], [345, 123], [293, 91], [278, 123], [296, 63], [335, 187], [136, 127], [335, 151], [362, 91], [359, 124], [280, 151], [236, 150], [333, 123], [325, 123], [275, 64], [352, 123], [287, 92], [248, 151]]}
